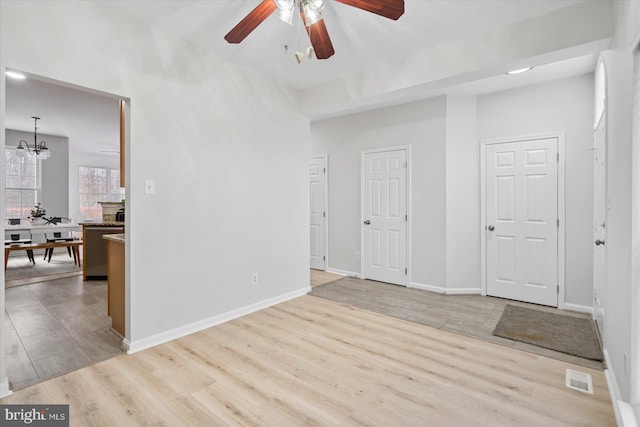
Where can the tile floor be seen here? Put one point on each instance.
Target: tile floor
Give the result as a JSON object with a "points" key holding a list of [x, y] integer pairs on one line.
{"points": [[55, 327]]}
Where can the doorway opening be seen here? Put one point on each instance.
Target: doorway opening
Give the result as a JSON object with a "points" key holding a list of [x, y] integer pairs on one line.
{"points": [[59, 323]]}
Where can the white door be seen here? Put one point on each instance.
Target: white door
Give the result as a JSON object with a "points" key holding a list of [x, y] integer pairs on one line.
{"points": [[599, 222], [317, 184], [522, 220], [385, 216]]}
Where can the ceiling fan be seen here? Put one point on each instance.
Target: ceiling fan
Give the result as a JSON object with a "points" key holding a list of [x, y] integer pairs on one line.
{"points": [[311, 16]]}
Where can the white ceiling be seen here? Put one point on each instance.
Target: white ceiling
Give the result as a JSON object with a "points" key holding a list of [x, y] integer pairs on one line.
{"points": [[361, 40]]}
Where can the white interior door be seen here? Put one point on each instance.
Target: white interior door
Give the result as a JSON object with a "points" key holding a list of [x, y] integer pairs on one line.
{"points": [[599, 222], [385, 216], [522, 220], [318, 211]]}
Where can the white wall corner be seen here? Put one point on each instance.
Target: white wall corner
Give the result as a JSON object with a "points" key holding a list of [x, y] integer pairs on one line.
{"points": [[4, 388], [163, 337]]}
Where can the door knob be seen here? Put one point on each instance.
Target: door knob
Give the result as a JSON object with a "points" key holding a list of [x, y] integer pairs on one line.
{"points": [[599, 242], [491, 228], [367, 222]]}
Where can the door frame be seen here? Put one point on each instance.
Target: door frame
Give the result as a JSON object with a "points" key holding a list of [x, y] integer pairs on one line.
{"points": [[363, 153], [561, 208], [325, 157]]}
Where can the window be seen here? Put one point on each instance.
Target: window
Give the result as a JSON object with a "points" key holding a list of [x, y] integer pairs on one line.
{"points": [[98, 185], [21, 184]]}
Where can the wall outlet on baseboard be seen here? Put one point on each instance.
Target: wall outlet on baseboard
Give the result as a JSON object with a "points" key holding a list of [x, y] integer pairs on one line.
{"points": [[254, 278], [357, 256]]}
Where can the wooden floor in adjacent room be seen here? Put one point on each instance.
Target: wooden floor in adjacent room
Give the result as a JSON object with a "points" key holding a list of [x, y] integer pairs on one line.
{"points": [[311, 361]]}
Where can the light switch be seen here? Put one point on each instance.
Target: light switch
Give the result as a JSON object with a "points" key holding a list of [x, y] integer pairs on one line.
{"points": [[149, 186]]}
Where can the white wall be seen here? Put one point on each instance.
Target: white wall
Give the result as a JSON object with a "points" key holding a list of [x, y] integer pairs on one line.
{"points": [[559, 106], [622, 294], [54, 179], [463, 197], [419, 124], [227, 151]]}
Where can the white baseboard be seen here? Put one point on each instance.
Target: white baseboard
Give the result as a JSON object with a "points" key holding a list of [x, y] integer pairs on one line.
{"points": [[624, 413], [463, 291], [430, 288], [4, 388], [446, 291], [578, 308], [343, 272], [163, 337]]}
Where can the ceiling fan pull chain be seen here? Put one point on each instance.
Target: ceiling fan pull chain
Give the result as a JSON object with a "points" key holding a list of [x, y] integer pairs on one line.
{"points": [[299, 54]]}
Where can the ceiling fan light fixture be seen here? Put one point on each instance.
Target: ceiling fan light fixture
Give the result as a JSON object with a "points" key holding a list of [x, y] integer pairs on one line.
{"points": [[285, 10], [312, 13]]}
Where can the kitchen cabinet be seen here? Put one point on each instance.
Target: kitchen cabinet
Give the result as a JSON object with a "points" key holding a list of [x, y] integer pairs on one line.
{"points": [[115, 281]]}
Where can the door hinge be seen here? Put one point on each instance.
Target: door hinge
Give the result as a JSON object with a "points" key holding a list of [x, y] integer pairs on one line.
{"points": [[324, 170], [406, 164], [558, 289], [324, 214], [324, 258], [405, 217], [558, 157], [558, 222], [405, 271]]}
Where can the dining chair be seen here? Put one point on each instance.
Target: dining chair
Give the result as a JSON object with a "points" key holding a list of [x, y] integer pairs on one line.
{"points": [[16, 238], [57, 236]]}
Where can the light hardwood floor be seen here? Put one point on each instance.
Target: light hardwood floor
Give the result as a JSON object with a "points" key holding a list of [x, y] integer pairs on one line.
{"points": [[311, 361]]}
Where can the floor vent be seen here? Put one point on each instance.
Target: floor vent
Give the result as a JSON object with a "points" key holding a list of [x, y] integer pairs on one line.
{"points": [[579, 381]]}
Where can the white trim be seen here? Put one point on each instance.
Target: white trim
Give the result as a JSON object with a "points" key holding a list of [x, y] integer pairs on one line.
{"points": [[4, 388], [343, 272], [163, 337], [578, 308], [430, 288], [325, 157], [443, 290], [561, 207], [363, 153], [625, 416]]}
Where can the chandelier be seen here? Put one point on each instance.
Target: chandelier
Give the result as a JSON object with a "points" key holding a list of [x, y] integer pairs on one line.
{"points": [[40, 150]]}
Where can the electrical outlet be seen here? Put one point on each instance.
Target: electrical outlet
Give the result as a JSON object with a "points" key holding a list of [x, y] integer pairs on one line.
{"points": [[357, 255], [254, 279]]}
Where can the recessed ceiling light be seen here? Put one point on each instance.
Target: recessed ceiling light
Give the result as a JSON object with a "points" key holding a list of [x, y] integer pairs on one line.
{"points": [[518, 71], [15, 75]]}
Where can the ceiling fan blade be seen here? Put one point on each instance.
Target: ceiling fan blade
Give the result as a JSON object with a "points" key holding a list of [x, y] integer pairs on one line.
{"points": [[251, 21], [320, 40], [392, 9]]}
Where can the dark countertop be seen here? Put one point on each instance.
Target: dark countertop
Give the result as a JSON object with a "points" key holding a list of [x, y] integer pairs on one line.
{"points": [[102, 224]]}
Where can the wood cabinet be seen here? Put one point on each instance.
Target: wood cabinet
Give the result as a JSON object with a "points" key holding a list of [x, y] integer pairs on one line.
{"points": [[115, 265]]}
